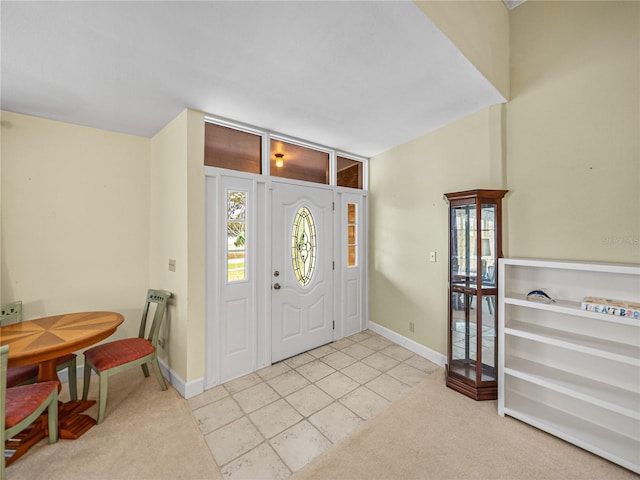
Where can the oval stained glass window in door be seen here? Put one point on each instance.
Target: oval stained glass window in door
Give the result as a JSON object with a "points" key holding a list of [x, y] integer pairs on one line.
{"points": [[303, 246]]}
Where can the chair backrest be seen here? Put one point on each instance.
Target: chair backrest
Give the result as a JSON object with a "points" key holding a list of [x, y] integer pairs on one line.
{"points": [[11, 313], [160, 298]]}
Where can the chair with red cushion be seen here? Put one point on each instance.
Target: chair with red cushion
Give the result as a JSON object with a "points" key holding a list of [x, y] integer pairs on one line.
{"points": [[114, 357], [26, 374], [21, 406]]}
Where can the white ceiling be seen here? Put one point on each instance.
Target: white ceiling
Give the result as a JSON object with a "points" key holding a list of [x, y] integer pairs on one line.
{"points": [[359, 76]]}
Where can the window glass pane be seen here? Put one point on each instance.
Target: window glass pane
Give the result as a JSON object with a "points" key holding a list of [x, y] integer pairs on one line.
{"points": [[349, 173], [463, 334], [303, 246], [352, 256], [489, 338], [489, 246], [352, 235], [351, 213], [299, 163], [463, 248], [226, 147], [236, 235]]}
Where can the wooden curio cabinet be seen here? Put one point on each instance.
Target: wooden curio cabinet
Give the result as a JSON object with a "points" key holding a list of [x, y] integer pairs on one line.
{"points": [[475, 244]]}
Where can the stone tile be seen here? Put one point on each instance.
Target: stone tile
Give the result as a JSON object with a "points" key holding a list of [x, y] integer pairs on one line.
{"points": [[358, 351], [360, 372], [376, 342], [397, 352], [340, 344], [365, 403], [336, 422], [380, 361], [322, 351], [388, 387], [233, 440], [212, 395], [337, 384], [273, 371], [261, 463], [309, 400], [300, 444], [407, 374], [358, 337], [214, 415], [275, 418], [315, 370], [234, 386], [422, 363], [288, 382], [299, 360], [256, 397], [338, 360]]}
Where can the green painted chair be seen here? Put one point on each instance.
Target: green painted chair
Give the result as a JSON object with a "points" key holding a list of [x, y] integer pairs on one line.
{"points": [[114, 357], [26, 374], [21, 406]]}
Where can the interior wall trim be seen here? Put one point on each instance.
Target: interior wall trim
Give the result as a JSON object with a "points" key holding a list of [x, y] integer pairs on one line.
{"points": [[409, 344]]}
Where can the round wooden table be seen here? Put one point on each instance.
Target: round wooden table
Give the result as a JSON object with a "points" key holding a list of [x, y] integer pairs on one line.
{"points": [[43, 340]]}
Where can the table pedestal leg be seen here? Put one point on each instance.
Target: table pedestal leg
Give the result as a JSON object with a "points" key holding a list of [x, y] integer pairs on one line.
{"points": [[71, 426]]}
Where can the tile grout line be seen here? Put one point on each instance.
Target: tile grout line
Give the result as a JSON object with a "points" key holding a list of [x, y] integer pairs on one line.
{"points": [[331, 349]]}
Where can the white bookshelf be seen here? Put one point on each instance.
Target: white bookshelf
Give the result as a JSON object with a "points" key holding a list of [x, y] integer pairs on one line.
{"points": [[571, 372]]}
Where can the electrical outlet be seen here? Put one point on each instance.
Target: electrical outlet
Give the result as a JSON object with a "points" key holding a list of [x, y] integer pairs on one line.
{"points": [[161, 342], [432, 256], [172, 265], [412, 327]]}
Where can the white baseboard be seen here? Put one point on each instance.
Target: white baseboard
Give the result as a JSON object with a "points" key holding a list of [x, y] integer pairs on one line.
{"points": [[409, 344], [186, 389]]}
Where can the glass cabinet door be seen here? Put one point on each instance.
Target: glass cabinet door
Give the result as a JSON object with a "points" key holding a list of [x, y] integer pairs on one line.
{"points": [[463, 236]]}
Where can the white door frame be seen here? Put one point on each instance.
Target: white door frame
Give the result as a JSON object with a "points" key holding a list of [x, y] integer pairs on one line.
{"points": [[260, 263]]}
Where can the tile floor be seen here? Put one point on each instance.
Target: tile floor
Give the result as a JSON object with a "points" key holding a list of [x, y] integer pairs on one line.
{"points": [[271, 423]]}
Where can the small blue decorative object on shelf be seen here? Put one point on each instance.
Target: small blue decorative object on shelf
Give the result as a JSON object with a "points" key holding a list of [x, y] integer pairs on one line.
{"points": [[539, 296]]}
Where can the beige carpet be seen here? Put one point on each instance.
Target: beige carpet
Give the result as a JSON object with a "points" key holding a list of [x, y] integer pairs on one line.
{"points": [[431, 432], [146, 434], [435, 433]]}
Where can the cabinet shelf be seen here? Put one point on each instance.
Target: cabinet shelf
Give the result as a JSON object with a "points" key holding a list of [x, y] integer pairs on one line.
{"points": [[608, 444], [607, 396], [620, 352], [568, 371], [568, 307]]}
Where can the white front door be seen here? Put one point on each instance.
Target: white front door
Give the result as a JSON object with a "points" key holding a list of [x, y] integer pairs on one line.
{"points": [[302, 269]]}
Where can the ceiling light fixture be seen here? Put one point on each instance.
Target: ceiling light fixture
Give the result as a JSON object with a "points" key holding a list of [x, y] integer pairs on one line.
{"points": [[279, 159]]}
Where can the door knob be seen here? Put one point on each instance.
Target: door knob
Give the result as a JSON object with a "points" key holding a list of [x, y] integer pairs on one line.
{"points": [[276, 286]]}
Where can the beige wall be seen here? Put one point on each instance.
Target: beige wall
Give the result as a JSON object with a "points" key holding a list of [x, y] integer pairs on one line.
{"points": [[75, 228], [90, 219], [409, 219], [177, 232], [573, 148], [566, 146], [480, 30]]}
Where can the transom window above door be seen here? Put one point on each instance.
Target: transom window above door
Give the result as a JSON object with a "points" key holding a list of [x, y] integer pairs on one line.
{"points": [[299, 163], [230, 148], [251, 150]]}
